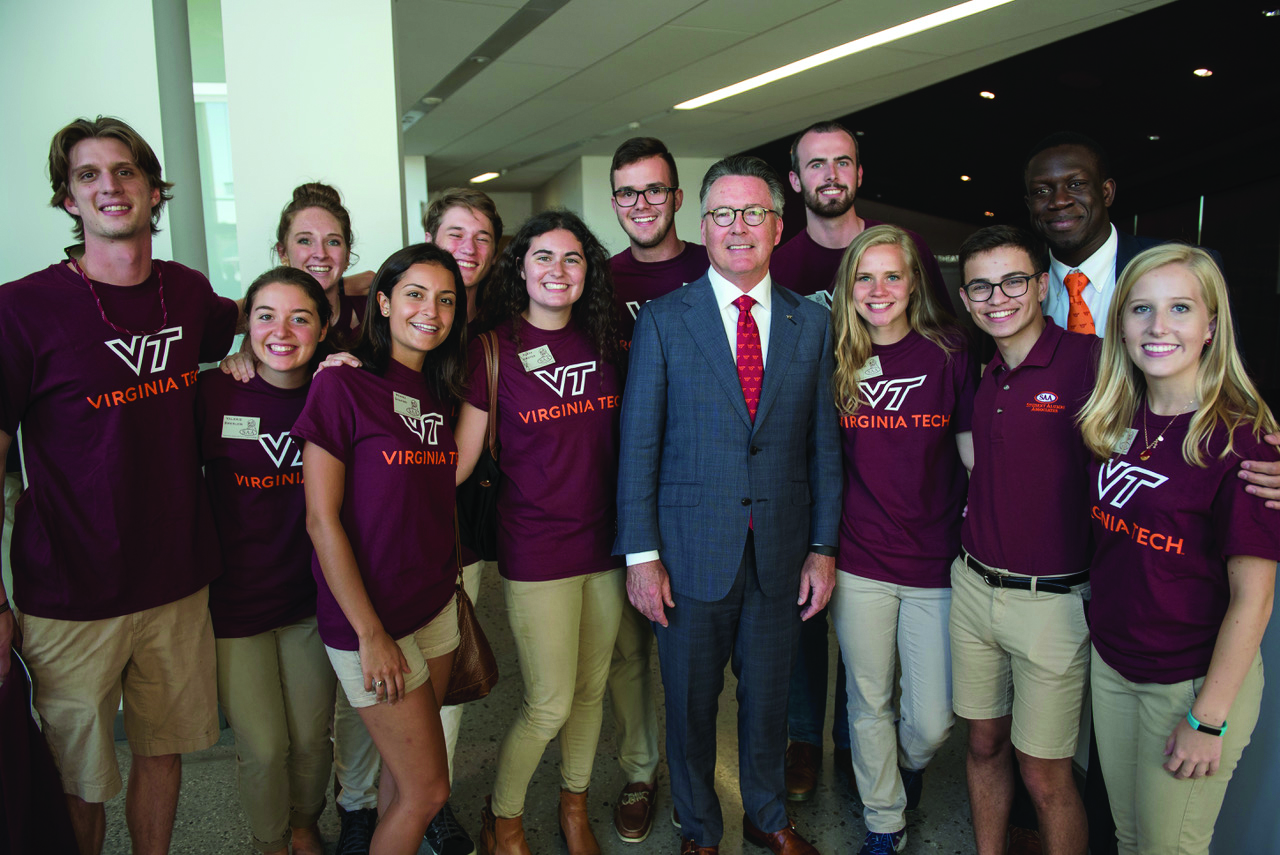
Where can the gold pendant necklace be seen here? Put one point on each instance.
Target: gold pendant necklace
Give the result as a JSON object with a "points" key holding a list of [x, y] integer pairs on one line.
{"points": [[1151, 446]]}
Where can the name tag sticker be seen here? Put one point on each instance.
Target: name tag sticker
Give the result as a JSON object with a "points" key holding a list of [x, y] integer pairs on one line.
{"points": [[240, 427], [870, 368], [539, 357], [407, 406], [1125, 442]]}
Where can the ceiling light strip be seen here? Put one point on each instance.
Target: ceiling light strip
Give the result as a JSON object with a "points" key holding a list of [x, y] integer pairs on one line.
{"points": [[910, 28]]}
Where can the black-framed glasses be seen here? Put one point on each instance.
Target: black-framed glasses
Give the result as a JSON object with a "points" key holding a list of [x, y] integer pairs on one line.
{"points": [[980, 290], [753, 216], [628, 196]]}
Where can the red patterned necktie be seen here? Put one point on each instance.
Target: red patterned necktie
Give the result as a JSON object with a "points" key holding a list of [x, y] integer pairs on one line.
{"points": [[750, 364], [1079, 318]]}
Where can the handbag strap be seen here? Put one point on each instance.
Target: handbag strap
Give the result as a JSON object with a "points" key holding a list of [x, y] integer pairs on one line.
{"points": [[489, 341], [457, 543]]}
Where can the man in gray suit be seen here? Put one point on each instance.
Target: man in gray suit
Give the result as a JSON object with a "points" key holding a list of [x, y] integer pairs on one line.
{"points": [[729, 500]]}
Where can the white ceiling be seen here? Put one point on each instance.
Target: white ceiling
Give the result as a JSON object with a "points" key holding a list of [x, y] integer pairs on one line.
{"points": [[598, 71]]}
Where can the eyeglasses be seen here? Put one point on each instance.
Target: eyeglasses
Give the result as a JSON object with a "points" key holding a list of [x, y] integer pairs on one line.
{"points": [[980, 291], [628, 196], [753, 216]]}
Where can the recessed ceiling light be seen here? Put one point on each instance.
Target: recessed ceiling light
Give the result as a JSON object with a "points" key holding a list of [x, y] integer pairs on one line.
{"points": [[990, 96], [409, 119], [1271, 13], [432, 100], [859, 133], [909, 28], [988, 213], [1202, 72], [964, 178], [483, 177], [1153, 137]]}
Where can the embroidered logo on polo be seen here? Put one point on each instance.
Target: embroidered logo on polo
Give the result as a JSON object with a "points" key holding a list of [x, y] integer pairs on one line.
{"points": [[278, 447], [134, 353], [557, 378], [892, 392], [1122, 480], [425, 427]]}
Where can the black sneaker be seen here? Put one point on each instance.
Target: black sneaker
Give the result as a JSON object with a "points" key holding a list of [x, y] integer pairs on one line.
{"points": [[913, 783], [446, 836], [357, 831]]}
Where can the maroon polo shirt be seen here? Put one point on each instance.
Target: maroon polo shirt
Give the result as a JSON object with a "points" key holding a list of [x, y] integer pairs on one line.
{"points": [[1029, 491], [1164, 531], [808, 268], [637, 282]]}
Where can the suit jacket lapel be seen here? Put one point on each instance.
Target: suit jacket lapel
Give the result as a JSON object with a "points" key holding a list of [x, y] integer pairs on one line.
{"points": [[784, 332], [707, 329]]}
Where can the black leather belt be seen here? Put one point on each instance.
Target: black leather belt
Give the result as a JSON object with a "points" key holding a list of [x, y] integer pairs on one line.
{"points": [[1050, 584]]}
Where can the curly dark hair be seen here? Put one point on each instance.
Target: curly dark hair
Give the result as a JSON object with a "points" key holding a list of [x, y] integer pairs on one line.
{"points": [[507, 297], [446, 366]]}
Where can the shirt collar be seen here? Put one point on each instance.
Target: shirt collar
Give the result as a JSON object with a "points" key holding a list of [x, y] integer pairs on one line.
{"points": [[1098, 267], [726, 292], [1042, 351]]}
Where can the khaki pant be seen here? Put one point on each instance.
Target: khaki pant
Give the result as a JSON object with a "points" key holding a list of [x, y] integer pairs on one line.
{"points": [[276, 690], [356, 760], [564, 631], [1156, 813], [879, 626], [635, 712]]}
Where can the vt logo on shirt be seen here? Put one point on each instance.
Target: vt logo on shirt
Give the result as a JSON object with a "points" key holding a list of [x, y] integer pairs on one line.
{"points": [[555, 378], [892, 392], [277, 448], [135, 352], [1125, 479], [424, 427]]}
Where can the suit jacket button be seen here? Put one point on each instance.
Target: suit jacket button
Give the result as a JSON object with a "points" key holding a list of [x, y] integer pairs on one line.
{"points": [[746, 501], [755, 449]]}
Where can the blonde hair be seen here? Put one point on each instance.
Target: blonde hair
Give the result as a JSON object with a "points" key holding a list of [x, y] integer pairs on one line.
{"points": [[1226, 394], [853, 340]]}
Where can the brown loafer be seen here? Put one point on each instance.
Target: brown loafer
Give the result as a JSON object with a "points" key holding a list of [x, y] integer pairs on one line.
{"points": [[785, 842], [1024, 841], [688, 847], [803, 760], [633, 812]]}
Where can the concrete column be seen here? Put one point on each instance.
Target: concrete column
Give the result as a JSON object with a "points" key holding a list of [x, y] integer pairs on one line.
{"points": [[303, 109]]}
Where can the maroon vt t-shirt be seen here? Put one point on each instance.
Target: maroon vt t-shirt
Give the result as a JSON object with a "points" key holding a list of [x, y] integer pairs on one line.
{"points": [[1030, 483], [904, 483], [254, 478], [1164, 530], [398, 493], [637, 282], [808, 268], [114, 518], [558, 428]]}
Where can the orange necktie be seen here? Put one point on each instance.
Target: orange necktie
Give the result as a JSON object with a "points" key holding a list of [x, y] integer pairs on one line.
{"points": [[1078, 317]]}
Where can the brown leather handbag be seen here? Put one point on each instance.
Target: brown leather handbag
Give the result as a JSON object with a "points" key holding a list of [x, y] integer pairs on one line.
{"points": [[475, 670]]}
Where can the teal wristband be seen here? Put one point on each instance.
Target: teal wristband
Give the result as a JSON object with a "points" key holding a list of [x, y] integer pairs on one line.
{"points": [[1196, 724]]}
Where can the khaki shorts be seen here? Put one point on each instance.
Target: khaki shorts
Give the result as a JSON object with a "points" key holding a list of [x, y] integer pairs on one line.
{"points": [[435, 639], [160, 660], [1021, 653]]}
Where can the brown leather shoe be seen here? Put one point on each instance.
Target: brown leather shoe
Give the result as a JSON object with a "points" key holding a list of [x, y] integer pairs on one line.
{"points": [[575, 825], [785, 842], [633, 812], [688, 847], [501, 836], [1024, 841], [803, 760]]}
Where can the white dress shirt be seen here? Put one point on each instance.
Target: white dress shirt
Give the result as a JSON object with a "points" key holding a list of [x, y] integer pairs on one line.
{"points": [[725, 293], [1101, 270]]}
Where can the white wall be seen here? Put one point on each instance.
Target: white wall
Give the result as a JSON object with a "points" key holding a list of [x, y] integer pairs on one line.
{"points": [[53, 60], [300, 112], [415, 195], [514, 208]]}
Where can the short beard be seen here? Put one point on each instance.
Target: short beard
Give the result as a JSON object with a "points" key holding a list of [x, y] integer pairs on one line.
{"points": [[827, 208], [656, 239]]}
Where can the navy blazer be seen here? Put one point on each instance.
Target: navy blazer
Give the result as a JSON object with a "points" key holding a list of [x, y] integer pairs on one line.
{"points": [[694, 469]]}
